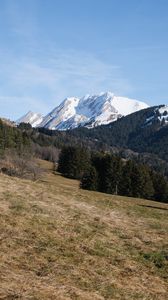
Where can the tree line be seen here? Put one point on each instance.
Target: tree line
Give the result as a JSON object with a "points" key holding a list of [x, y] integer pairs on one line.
{"points": [[110, 174]]}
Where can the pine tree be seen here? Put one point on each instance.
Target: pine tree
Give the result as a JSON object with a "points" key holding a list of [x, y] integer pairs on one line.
{"points": [[89, 179], [136, 181], [108, 168], [147, 184], [73, 162], [160, 185], [125, 183]]}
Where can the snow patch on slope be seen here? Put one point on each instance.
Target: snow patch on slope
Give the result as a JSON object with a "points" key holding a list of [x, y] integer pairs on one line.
{"points": [[159, 114], [163, 113]]}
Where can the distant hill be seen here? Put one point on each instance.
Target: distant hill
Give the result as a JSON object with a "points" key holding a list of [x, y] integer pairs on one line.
{"points": [[8, 122]]}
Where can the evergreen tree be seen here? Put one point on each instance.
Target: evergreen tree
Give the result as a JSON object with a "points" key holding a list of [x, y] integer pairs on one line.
{"points": [[160, 187], [125, 183], [24, 126], [136, 181], [73, 162], [108, 168], [89, 179], [147, 184]]}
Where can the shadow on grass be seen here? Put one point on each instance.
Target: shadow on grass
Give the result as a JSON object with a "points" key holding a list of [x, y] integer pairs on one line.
{"points": [[151, 206]]}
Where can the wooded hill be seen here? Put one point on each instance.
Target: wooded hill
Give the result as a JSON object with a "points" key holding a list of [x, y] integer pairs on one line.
{"points": [[132, 132], [129, 137]]}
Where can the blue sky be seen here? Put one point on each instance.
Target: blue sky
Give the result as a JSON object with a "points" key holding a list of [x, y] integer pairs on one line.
{"points": [[51, 49]]}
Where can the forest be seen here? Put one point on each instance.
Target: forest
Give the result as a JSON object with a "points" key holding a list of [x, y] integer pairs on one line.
{"points": [[107, 173]]}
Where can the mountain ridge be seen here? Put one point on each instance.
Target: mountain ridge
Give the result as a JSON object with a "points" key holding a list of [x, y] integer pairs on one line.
{"points": [[89, 111]]}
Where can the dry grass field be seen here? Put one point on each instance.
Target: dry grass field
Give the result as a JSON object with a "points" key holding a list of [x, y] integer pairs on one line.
{"points": [[60, 242]]}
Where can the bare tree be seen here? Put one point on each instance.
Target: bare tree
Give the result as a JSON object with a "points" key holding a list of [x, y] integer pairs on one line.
{"points": [[23, 165]]}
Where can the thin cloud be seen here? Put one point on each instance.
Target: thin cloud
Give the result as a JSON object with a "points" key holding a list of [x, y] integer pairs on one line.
{"points": [[51, 78]]}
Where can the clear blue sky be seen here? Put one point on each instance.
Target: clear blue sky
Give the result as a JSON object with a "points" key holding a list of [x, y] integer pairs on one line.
{"points": [[51, 49]]}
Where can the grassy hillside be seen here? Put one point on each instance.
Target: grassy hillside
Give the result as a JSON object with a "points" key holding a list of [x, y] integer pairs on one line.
{"points": [[60, 242]]}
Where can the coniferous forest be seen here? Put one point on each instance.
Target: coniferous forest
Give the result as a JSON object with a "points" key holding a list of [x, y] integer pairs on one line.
{"points": [[110, 174]]}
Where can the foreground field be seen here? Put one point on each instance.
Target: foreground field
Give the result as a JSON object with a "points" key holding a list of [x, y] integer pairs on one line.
{"points": [[60, 242]]}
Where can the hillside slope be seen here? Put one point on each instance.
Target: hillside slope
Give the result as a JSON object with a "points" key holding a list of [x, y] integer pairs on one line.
{"points": [[142, 131], [60, 242]]}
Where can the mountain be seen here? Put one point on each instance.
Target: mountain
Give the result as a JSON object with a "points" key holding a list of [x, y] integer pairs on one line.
{"points": [[34, 119], [88, 111]]}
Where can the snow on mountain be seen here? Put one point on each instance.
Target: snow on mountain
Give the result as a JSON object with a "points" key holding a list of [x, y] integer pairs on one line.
{"points": [[98, 109], [65, 111], [34, 119], [160, 113], [127, 106], [90, 111], [163, 113]]}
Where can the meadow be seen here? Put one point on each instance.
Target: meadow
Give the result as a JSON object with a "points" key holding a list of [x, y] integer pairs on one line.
{"points": [[58, 241]]}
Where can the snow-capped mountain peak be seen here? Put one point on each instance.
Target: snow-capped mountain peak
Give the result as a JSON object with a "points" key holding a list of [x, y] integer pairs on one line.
{"points": [[90, 111]]}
